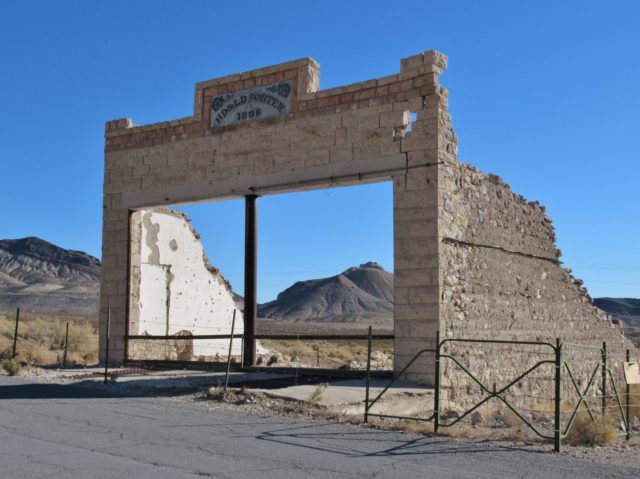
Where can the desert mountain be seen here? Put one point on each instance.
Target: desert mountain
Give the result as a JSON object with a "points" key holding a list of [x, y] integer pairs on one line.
{"points": [[625, 310], [357, 294], [38, 276]]}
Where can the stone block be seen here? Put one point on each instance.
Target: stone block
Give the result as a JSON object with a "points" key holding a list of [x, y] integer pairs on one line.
{"points": [[419, 312], [395, 118], [414, 199], [424, 329], [400, 295], [424, 294], [415, 277], [423, 213], [429, 262], [402, 328], [365, 152], [416, 228], [416, 246], [318, 156], [340, 154], [423, 141], [360, 120], [412, 63]]}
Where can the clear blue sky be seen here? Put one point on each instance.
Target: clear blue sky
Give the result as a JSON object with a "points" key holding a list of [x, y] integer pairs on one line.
{"points": [[545, 94]]}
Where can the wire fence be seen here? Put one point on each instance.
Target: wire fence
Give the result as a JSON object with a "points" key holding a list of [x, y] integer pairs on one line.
{"points": [[329, 351], [294, 345], [43, 339]]}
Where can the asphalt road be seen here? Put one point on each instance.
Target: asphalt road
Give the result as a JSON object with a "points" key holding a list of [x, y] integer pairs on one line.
{"points": [[49, 431]]}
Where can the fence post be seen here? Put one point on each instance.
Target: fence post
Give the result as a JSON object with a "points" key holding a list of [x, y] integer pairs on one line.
{"points": [[298, 363], [106, 349], [242, 344], [368, 380], [556, 426], [66, 343], [15, 334], [604, 378], [226, 376], [628, 425], [436, 394]]}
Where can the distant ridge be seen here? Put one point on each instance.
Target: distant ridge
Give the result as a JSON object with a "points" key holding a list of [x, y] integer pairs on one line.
{"points": [[625, 310], [360, 293], [38, 276]]}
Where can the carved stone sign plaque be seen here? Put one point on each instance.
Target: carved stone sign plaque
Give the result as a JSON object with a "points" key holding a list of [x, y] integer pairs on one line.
{"points": [[244, 106]]}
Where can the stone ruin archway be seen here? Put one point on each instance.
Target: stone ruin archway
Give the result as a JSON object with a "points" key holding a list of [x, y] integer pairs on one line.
{"points": [[460, 237]]}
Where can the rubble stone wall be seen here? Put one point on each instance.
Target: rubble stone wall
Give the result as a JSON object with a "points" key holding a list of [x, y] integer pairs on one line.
{"points": [[501, 278]]}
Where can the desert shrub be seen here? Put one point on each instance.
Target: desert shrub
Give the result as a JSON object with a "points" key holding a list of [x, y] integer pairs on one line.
{"points": [[316, 395], [83, 343], [6, 347], [11, 366], [338, 353], [332, 353], [41, 339], [586, 432], [38, 354]]}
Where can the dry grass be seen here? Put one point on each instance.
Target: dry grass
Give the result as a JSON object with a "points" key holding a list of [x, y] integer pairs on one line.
{"points": [[41, 339], [327, 353], [586, 432], [323, 353]]}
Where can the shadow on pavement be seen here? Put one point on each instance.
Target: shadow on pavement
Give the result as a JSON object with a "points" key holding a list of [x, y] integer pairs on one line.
{"points": [[364, 443], [15, 388]]}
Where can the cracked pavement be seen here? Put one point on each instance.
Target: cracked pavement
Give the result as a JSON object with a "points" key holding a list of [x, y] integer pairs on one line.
{"points": [[65, 431]]}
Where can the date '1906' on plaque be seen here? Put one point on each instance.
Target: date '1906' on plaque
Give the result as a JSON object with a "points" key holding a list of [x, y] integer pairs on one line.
{"points": [[267, 101]]}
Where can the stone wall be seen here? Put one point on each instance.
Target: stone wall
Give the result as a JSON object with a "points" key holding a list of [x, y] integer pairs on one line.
{"points": [[501, 278]]}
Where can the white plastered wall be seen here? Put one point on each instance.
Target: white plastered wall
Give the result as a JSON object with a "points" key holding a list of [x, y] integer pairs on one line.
{"points": [[178, 289]]}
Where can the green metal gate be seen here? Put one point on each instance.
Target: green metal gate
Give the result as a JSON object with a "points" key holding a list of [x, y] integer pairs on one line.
{"points": [[560, 365]]}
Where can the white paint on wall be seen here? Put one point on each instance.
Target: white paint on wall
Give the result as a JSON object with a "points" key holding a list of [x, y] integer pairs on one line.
{"points": [[153, 299], [179, 290]]}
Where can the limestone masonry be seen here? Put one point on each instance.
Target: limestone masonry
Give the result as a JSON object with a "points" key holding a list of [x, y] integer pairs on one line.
{"points": [[472, 258]]}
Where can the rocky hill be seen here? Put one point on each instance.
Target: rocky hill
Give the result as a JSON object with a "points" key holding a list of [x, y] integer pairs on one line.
{"points": [[364, 293], [38, 276], [625, 310]]}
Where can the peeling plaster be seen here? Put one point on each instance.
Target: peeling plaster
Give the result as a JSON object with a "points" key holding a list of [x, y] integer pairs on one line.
{"points": [[179, 291], [151, 238]]}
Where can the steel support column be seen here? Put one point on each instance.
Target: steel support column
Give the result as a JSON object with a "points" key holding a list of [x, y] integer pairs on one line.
{"points": [[250, 279]]}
